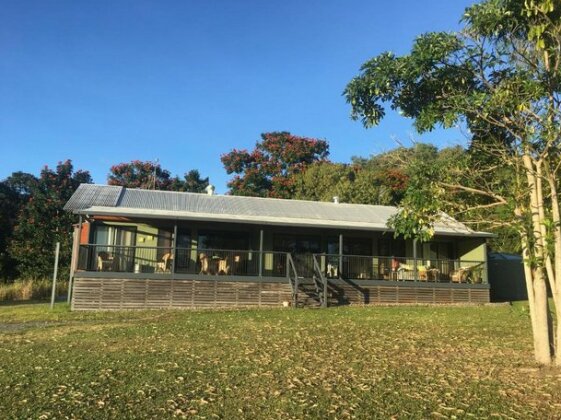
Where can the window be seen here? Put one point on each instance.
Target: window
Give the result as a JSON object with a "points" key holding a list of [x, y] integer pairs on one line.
{"points": [[115, 235], [223, 240], [391, 247], [297, 244], [357, 246]]}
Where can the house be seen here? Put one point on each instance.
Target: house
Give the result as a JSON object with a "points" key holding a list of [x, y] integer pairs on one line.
{"points": [[156, 249]]}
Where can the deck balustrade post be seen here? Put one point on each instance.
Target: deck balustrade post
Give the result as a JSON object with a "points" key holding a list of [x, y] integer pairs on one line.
{"points": [[174, 250], [261, 253], [340, 255]]}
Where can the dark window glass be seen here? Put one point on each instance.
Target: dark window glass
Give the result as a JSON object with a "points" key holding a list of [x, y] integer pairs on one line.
{"points": [[297, 244], [183, 239], [391, 247], [357, 246], [223, 240], [164, 243]]}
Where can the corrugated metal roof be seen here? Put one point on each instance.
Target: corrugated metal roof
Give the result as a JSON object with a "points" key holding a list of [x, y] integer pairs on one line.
{"points": [[90, 199], [88, 195]]}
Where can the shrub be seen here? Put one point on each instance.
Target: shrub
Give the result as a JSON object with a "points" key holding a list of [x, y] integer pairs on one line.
{"points": [[30, 289]]}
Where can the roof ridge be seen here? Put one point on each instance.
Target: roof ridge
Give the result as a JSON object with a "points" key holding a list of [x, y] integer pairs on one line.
{"points": [[246, 197]]}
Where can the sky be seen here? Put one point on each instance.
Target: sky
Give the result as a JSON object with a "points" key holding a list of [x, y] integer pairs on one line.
{"points": [[104, 82]]}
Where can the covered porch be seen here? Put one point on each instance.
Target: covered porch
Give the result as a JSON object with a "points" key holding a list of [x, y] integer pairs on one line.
{"points": [[312, 265]]}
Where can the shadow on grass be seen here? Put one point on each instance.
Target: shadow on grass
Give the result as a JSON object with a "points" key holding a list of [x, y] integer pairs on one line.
{"points": [[61, 299]]}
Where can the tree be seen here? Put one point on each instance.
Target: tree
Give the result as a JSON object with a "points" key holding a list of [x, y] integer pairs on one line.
{"points": [[192, 182], [139, 174], [268, 170], [321, 181], [149, 175], [11, 201], [500, 77], [42, 222]]}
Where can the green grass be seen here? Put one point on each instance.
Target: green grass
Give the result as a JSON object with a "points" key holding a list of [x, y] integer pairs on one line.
{"points": [[408, 362]]}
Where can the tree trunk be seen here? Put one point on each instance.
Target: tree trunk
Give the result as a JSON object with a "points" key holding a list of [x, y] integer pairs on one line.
{"points": [[555, 281], [543, 334]]}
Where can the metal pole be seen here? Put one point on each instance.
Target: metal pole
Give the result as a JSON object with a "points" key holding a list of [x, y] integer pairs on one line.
{"points": [[340, 255], [55, 272], [261, 253], [415, 259]]}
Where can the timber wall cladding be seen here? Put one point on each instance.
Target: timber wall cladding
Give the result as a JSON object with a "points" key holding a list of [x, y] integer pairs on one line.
{"points": [[115, 294], [368, 295]]}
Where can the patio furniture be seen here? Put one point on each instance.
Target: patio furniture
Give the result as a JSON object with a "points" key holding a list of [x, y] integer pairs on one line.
{"points": [[224, 266], [205, 266], [404, 272], [104, 261], [433, 274], [460, 275], [164, 266], [422, 273]]}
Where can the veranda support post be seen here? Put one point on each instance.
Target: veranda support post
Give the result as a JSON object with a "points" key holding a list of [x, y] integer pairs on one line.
{"points": [[261, 253], [76, 234]]}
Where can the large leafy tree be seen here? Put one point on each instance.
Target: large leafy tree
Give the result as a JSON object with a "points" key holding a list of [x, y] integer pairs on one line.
{"points": [[150, 175], [140, 174], [41, 222], [268, 170], [15, 192], [501, 77], [191, 182], [379, 179]]}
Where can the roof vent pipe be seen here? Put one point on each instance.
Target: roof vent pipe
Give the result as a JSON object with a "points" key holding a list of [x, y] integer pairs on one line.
{"points": [[336, 199], [209, 189]]}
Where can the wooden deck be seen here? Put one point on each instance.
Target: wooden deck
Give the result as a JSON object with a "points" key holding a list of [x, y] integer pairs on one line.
{"points": [[121, 293]]}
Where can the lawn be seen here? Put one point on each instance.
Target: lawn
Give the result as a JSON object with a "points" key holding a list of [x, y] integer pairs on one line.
{"points": [[407, 362]]}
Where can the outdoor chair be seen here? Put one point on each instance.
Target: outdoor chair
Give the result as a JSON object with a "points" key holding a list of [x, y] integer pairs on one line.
{"points": [[205, 266], [460, 275], [104, 261], [164, 266], [224, 266]]}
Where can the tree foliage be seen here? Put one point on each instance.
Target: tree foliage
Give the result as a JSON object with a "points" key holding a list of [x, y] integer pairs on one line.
{"points": [[150, 175], [500, 76], [268, 170], [191, 182], [140, 174], [41, 221]]}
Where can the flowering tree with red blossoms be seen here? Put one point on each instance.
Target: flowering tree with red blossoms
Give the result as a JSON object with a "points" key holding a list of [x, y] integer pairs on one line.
{"points": [[268, 170]]}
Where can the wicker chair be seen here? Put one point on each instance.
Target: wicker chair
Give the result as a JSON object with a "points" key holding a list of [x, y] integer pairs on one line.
{"points": [[164, 266], [205, 266]]}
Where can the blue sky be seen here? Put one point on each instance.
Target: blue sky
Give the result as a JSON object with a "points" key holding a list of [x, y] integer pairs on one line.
{"points": [[103, 82]]}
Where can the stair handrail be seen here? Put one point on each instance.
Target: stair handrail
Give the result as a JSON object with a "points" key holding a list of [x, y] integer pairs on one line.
{"points": [[321, 285], [292, 275]]}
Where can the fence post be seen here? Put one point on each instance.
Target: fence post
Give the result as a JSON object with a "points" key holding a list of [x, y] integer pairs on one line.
{"points": [[55, 272]]}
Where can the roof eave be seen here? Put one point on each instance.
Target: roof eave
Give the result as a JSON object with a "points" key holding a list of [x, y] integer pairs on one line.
{"points": [[259, 220]]}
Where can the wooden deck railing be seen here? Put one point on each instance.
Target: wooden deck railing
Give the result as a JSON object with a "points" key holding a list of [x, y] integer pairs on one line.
{"points": [[142, 259], [360, 267]]}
